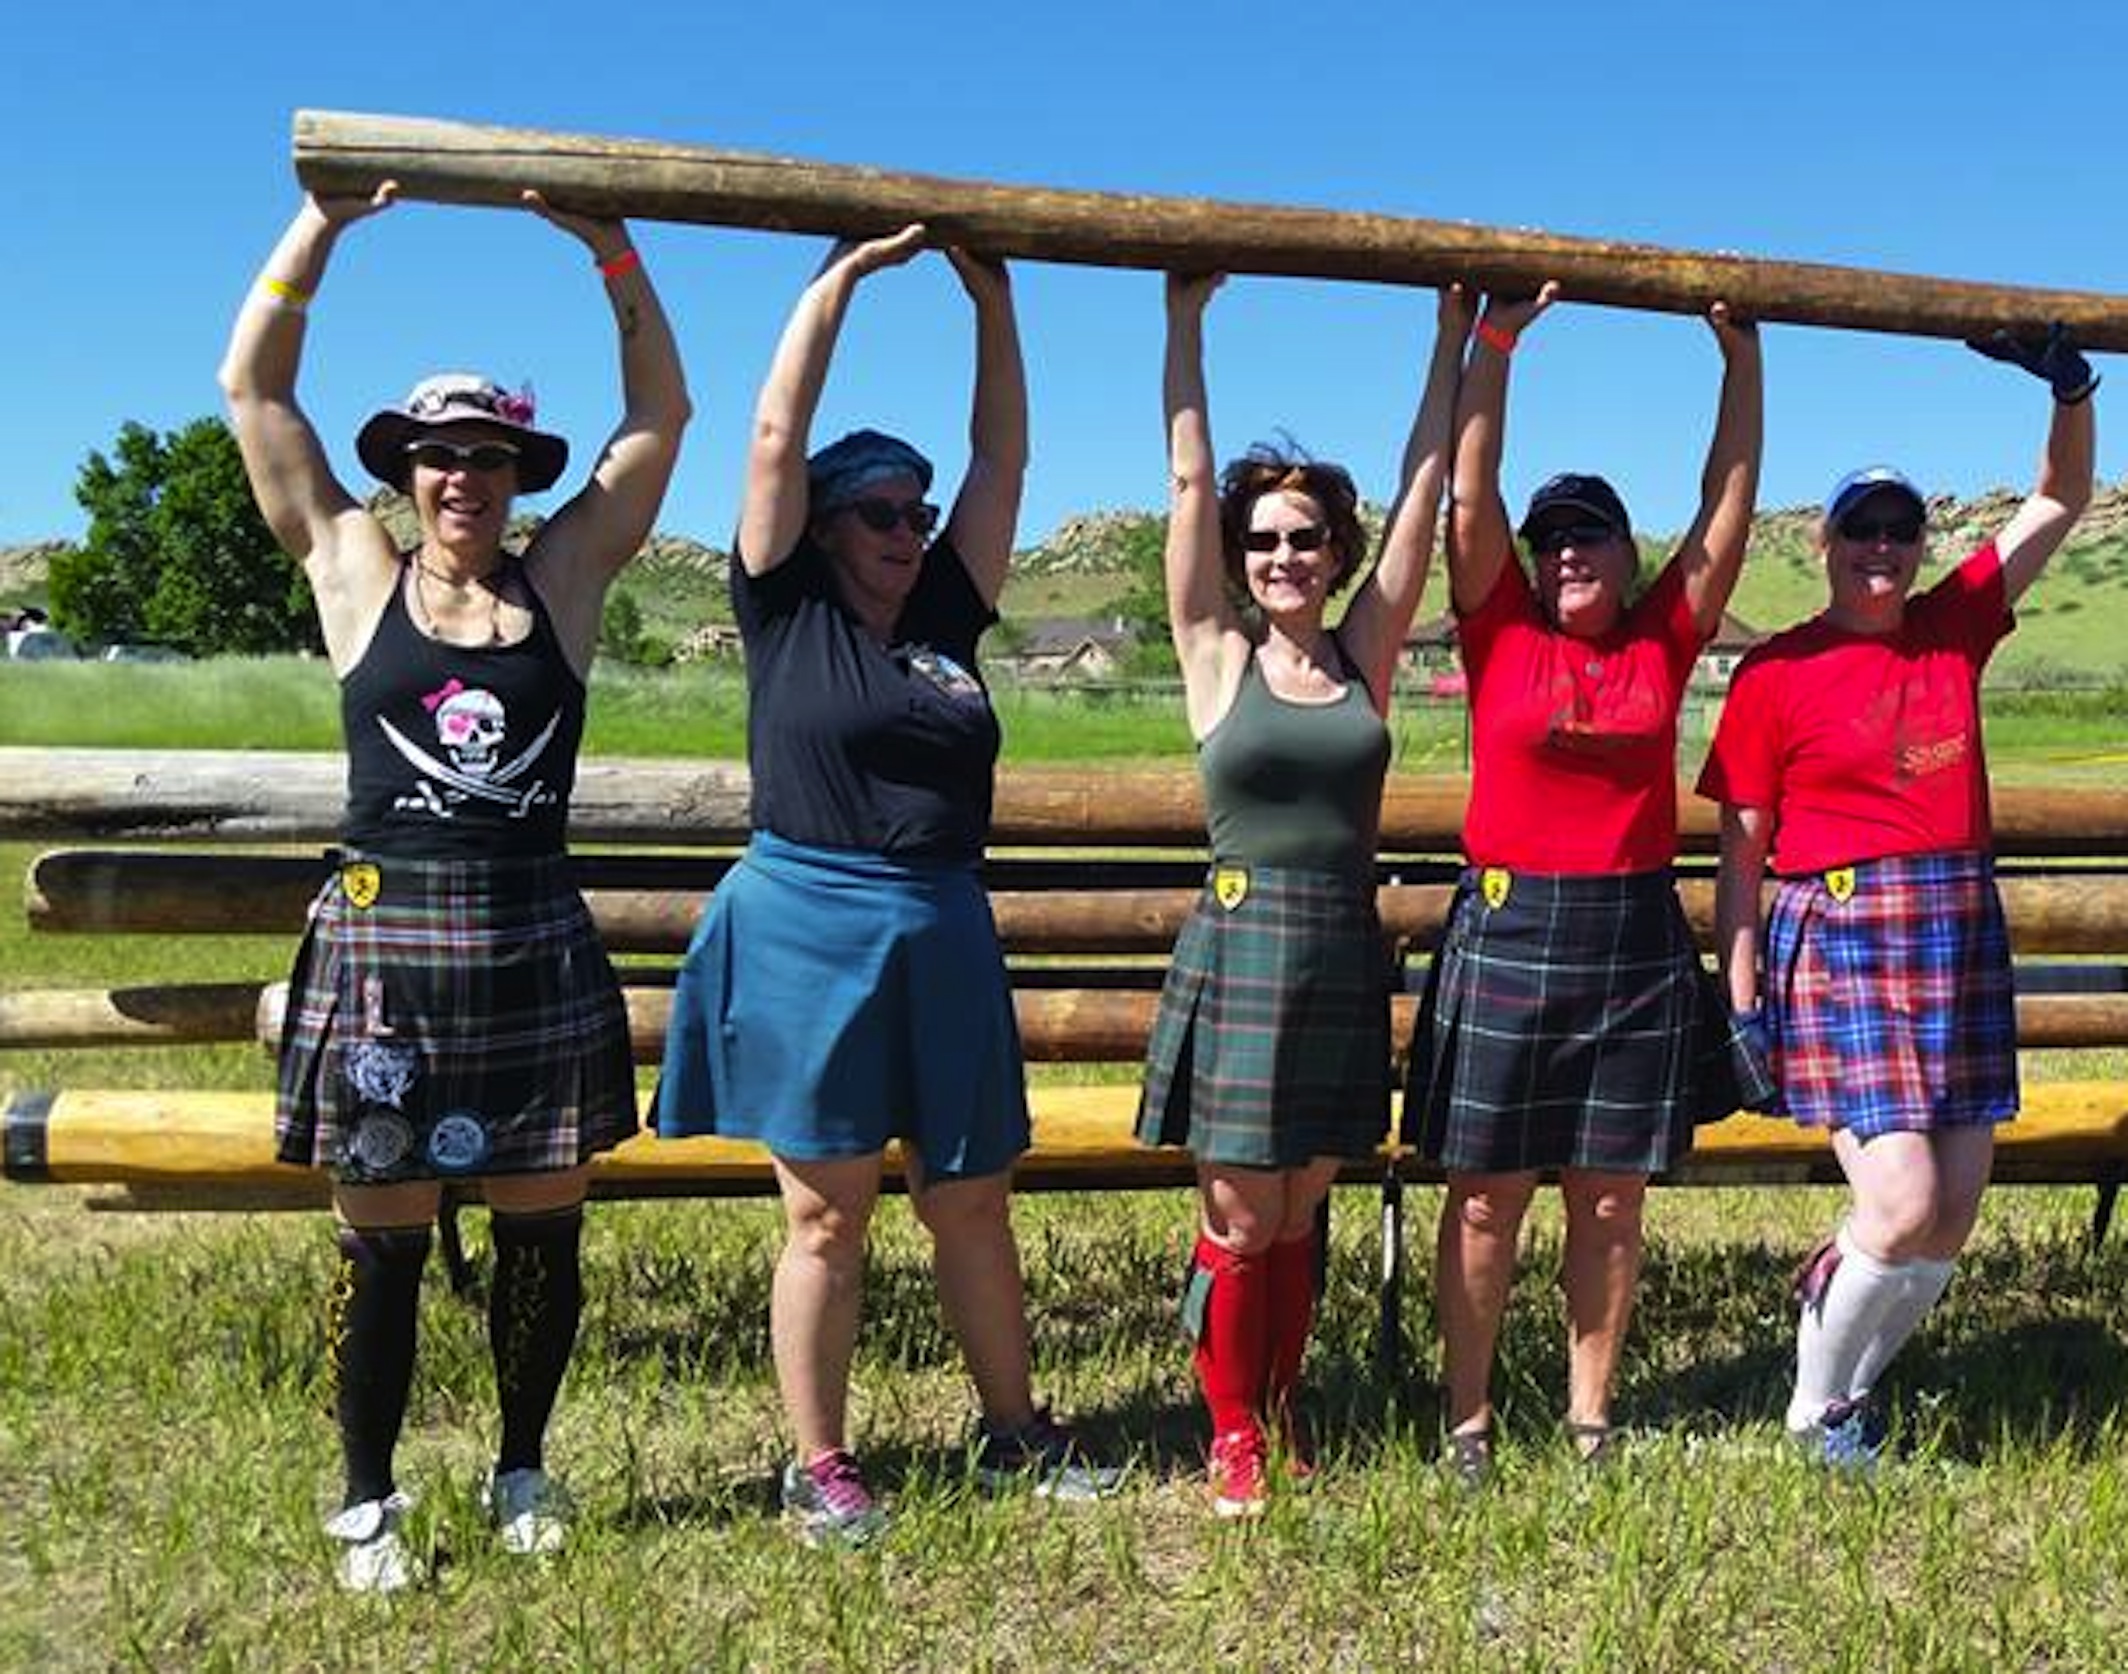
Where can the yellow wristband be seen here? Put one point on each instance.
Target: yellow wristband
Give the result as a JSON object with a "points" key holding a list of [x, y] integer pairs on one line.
{"points": [[290, 296]]}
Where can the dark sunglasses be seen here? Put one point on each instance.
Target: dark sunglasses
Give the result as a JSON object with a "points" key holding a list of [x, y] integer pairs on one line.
{"points": [[1309, 537], [1900, 531], [880, 516], [450, 456], [1560, 536]]}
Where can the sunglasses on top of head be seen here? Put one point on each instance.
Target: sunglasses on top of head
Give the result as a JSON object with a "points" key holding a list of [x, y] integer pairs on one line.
{"points": [[881, 515], [1901, 529], [1559, 536], [450, 456], [1309, 537]]}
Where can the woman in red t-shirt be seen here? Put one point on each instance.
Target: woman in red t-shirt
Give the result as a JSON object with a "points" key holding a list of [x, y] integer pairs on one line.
{"points": [[1849, 752], [1566, 1021]]}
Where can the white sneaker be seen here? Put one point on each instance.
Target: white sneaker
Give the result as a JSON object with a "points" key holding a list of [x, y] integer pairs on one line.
{"points": [[529, 1511], [373, 1557]]}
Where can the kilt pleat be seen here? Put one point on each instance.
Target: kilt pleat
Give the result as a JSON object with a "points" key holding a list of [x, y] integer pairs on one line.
{"points": [[1568, 1023], [1271, 1043], [461, 1020], [1890, 1002]]}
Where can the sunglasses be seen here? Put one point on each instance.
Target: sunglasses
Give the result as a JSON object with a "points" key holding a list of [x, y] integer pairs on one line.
{"points": [[1560, 536], [881, 516], [451, 456], [1309, 537], [1899, 531]]}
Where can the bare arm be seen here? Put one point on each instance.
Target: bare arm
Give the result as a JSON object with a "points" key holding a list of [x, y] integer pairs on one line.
{"points": [[1712, 551], [1747, 835], [1374, 626], [2040, 525], [1208, 639], [1481, 539], [772, 517], [986, 511], [583, 546], [346, 554]]}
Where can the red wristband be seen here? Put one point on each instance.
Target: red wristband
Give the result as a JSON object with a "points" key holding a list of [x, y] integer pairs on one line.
{"points": [[1494, 337], [626, 262]]}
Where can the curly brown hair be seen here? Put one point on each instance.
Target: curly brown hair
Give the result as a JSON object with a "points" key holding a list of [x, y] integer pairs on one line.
{"points": [[1270, 469]]}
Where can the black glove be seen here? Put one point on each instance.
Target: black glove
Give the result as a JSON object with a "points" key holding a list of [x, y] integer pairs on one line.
{"points": [[2053, 357]]}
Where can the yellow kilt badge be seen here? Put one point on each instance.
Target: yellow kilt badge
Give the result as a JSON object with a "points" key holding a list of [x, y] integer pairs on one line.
{"points": [[1230, 886], [361, 883]]}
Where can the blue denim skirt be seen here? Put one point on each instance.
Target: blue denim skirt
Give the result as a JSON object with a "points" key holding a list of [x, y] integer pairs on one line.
{"points": [[833, 999]]}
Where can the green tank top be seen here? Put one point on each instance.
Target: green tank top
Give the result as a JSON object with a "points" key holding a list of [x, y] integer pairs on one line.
{"points": [[1296, 784]]}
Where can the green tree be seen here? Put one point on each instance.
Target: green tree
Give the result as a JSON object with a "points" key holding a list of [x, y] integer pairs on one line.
{"points": [[176, 552], [1141, 546]]}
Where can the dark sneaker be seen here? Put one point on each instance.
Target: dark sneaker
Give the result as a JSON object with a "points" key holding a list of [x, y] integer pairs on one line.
{"points": [[1235, 1473], [1470, 1458], [1046, 1455], [828, 1503], [1848, 1437]]}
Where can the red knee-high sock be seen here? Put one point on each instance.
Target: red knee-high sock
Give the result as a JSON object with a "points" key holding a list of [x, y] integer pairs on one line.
{"points": [[1234, 1341], [1292, 1315]]}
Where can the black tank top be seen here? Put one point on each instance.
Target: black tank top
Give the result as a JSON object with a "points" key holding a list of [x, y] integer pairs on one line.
{"points": [[459, 752]]}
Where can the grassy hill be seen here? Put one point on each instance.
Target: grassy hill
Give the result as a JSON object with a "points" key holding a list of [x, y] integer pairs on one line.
{"points": [[2070, 627]]}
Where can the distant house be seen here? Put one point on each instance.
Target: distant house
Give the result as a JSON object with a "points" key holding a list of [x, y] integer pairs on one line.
{"points": [[1065, 648], [1429, 652], [711, 639], [1718, 659], [1429, 661]]}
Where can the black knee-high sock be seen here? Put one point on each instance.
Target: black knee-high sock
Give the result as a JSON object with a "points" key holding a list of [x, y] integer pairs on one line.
{"points": [[533, 1311], [370, 1327]]}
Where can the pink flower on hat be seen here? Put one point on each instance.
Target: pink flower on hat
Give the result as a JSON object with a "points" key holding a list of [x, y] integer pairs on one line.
{"points": [[518, 408]]}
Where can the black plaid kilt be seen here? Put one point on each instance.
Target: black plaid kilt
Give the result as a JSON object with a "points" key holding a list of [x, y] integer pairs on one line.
{"points": [[465, 1022], [1570, 1026], [1271, 1046]]}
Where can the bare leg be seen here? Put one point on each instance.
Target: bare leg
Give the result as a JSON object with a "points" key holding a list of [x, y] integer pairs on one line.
{"points": [[977, 1261], [819, 1286], [1603, 1250], [1481, 1222]]}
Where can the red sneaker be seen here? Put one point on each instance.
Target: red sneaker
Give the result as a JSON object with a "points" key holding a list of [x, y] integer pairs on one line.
{"points": [[1236, 1473]]}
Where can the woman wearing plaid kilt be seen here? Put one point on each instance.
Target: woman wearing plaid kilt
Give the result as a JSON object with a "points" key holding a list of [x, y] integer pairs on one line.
{"points": [[1567, 1023], [452, 1015], [1849, 754], [1270, 1055]]}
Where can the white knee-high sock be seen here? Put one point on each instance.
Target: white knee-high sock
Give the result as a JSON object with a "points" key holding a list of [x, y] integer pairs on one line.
{"points": [[1923, 1285], [1838, 1328]]}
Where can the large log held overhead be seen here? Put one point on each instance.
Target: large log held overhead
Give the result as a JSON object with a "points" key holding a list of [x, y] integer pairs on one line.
{"points": [[454, 162]]}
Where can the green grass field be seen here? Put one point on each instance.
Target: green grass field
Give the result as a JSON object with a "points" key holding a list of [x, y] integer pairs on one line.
{"points": [[167, 1452]]}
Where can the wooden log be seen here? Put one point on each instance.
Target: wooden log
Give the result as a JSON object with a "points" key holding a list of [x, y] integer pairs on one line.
{"points": [[453, 162], [266, 796], [210, 1150], [158, 1014]]}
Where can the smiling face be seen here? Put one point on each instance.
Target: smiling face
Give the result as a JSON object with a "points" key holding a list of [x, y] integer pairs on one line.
{"points": [[460, 493], [1584, 568], [1288, 560], [876, 568], [1872, 554]]}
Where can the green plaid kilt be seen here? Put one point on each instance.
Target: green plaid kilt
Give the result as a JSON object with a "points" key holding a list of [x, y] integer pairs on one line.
{"points": [[1271, 1046], [452, 1018], [1569, 1025]]}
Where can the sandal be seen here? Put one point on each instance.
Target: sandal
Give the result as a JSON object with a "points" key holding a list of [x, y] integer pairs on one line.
{"points": [[1470, 1457]]}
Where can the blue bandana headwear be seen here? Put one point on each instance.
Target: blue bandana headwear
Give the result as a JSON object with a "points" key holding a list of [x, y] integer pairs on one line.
{"points": [[842, 471]]}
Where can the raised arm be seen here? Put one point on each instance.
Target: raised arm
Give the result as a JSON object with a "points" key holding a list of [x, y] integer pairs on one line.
{"points": [[580, 549], [986, 511], [2058, 499], [346, 554], [772, 517], [1712, 551], [1374, 625], [1747, 835], [1207, 632], [1480, 537]]}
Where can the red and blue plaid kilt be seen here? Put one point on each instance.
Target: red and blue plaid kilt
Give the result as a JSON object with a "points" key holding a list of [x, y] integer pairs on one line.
{"points": [[1893, 1011], [465, 1021], [1569, 1024], [1271, 1046]]}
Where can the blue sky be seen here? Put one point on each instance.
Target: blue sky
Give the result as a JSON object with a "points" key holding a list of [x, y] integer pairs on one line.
{"points": [[148, 173]]}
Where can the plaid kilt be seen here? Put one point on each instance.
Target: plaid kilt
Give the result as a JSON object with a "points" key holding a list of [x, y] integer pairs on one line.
{"points": [[452, 1018], [1569, 1024], [1271, 1045], [1893, 1010]]}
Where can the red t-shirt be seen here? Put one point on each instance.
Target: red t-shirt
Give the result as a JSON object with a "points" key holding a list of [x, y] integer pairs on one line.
{"points": [[1866, 745], [1574, 741]]}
